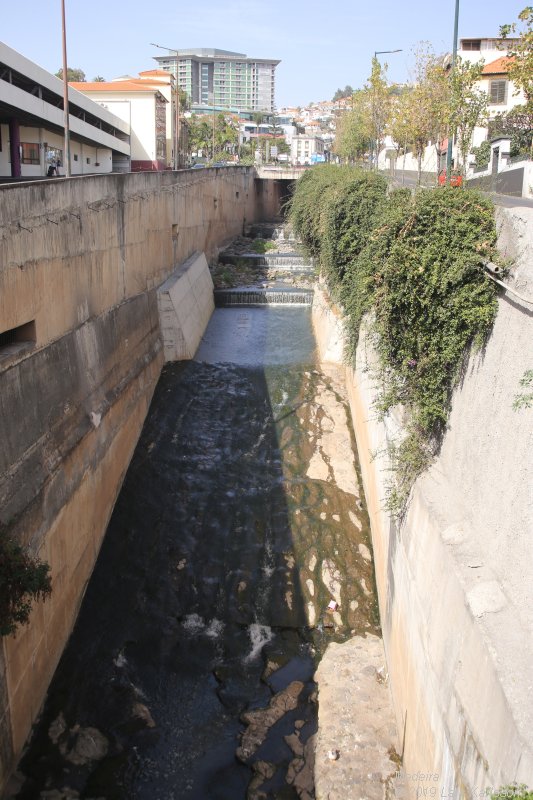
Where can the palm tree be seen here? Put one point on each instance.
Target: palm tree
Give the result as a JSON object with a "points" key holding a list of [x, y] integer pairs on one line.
{"points": [[258, 118]]}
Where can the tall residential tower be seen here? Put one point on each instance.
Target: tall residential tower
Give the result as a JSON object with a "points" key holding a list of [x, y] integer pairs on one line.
{"points": [[223, 78]]}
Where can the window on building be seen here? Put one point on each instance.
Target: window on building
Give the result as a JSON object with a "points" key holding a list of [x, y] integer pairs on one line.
{"points": [[29, 153], [471, 44], [75, 156], [498, 92]]}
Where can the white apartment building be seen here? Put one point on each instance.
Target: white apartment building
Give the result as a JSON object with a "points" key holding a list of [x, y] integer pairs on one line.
{"points": [[503, 94], [306, 149], [484, 49], [223, 78]]}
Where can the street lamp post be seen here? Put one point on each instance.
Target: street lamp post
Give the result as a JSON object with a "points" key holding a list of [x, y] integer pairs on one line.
{"points": [[454, 59], [380, 52], [65, 91], [375, 142], [213, 147]]}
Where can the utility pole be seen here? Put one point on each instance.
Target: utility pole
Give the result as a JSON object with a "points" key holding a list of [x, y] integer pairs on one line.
{"points": [[213, 155], [66, 159], [177, 118], [454, 59]]}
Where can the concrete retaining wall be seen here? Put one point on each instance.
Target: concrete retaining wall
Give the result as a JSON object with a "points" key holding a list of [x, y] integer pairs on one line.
{"points": [[185, 304], [455, 578], [80, 263]]}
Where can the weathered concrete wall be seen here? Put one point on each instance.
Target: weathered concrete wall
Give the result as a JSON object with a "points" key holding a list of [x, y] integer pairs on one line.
{"points": [[455, 579], [82, 260]]}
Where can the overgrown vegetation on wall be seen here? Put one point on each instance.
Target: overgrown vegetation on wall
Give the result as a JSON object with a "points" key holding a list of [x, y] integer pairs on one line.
{"points": [[23, 579], [525, 399], [513, 791], [413, 264]]}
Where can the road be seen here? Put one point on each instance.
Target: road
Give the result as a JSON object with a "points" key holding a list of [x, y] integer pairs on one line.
{"points": [[506, 200]]}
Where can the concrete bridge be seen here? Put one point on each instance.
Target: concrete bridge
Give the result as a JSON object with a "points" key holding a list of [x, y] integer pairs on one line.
{"points": [[98, 279]]}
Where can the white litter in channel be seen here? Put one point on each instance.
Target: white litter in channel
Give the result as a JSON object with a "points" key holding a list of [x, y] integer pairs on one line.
{"points": [[214, 629], [193, 623], [260, 635]]}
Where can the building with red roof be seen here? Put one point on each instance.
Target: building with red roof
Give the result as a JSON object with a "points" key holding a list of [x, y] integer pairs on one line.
{"points": [[142, 103]]}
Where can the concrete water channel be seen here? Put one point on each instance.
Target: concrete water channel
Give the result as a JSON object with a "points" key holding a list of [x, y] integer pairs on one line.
{"points": [[238, 549]]}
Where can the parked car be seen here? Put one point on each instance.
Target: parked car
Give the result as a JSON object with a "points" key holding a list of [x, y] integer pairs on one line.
{"points": [[198, 166], [456, 179]]}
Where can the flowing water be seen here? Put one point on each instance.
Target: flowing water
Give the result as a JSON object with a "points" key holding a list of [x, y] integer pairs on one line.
{"points": [[240, 521]]}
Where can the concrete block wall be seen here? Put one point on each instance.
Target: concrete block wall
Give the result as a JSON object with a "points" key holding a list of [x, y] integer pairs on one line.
{"points": [[185, 304], [80, 263], [455, 577]]}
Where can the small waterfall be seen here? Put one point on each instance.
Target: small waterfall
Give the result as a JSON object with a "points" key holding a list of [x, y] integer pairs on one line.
{"points": [[260, 297], [290, 262]]}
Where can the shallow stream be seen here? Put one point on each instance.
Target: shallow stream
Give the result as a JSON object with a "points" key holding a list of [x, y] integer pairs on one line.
{"points": [[240, 521]]}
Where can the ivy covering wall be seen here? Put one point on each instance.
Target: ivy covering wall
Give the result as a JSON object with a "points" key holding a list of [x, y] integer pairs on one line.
{"points": [[412, 265]]}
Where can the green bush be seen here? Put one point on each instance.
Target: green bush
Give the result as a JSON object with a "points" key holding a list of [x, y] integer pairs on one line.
{"points": [[333, 211], [525, 399], [513, 791], [431, 299], [482, 154], [262, 245], [23, 579], [348, 221], [308, 202], [414, 263]]}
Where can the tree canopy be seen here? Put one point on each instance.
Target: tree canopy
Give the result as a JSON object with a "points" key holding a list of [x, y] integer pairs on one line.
{"points": [[353, 135], [521, 67], [340, 93], [468, 105], [73, 74], [204, 131], [520, 120]]}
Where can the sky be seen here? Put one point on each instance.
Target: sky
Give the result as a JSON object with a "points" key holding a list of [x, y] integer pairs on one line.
{"points": [[321, 47]]}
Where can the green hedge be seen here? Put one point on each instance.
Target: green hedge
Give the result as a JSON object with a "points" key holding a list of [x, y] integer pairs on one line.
{"points": [[413, 261]]}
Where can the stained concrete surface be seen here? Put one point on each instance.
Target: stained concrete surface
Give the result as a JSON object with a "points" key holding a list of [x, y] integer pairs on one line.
{"points": [[358, 750]]}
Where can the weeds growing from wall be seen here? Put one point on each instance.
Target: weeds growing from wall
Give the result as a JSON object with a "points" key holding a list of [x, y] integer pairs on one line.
{"points": [[412, 263], [525, 399], [513, 791], [23, 579]]}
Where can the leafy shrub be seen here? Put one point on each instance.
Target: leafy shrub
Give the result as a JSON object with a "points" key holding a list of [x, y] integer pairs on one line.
{"points": [[333, 211], [525, 399], [430, 298], [414, 263], [262, 246], [308, 202], [23, 578], [482, 154], [513, 791]]}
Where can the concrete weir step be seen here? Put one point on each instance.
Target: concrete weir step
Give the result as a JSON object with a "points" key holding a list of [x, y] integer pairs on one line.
{"points": [[287, 261], [260, 297], [267, 230]]}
